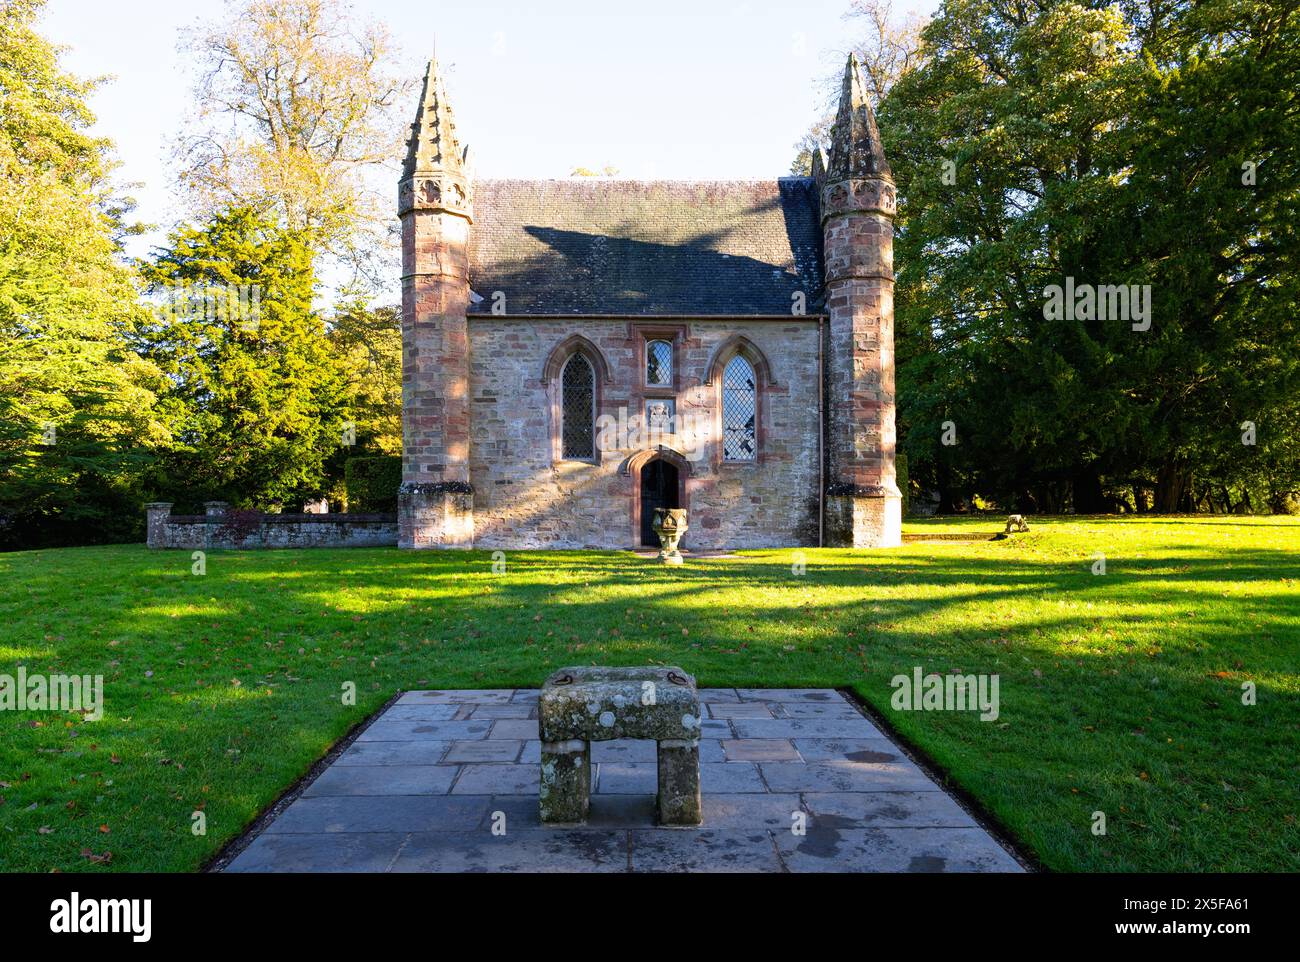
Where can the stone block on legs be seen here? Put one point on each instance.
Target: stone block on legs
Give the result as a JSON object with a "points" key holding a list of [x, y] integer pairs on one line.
{"points": [[578, 706]]}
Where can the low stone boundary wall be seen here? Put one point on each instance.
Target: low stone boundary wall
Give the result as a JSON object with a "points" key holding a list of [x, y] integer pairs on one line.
{"points": [[222, 528]]}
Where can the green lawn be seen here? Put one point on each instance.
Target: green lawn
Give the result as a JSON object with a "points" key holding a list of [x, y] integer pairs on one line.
{"points": [[1119, 693]]}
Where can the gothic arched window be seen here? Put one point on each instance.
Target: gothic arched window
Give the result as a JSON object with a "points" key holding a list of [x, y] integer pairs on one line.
{"points": [[659, 364], [739, 411], [578, 409]]}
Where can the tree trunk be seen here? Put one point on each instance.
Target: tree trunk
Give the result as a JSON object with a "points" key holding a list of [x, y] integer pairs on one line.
{"points": [[946, 502], [1171, 486], [1025, 503], [1140, 503], [1088, 496]]}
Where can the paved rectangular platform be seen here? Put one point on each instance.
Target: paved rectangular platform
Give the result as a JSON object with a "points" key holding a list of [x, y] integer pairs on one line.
{"points": [[793, 781]]}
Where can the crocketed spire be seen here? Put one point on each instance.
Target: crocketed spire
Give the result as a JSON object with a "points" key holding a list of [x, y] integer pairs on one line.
{"points": [[433, 176], [856, 151]]}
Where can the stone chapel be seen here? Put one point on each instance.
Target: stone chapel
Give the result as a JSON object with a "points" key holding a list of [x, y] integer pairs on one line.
{"points": [[579, 352]]}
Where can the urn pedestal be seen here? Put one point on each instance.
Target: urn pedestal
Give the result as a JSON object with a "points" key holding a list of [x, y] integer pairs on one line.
{"points": [[670, 525]]}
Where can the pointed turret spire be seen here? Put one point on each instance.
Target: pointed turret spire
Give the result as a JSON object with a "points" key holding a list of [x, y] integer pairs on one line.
{"points": [[856, 151], [432, 145], [433, 176]]}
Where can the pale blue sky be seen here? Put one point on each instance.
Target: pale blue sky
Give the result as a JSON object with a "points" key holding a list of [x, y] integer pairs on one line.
{"points": [[673, 89]]}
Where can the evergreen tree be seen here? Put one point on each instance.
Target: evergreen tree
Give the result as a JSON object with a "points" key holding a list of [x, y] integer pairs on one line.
{"points": [[255, 394], [75, 403], [1065, 144]]}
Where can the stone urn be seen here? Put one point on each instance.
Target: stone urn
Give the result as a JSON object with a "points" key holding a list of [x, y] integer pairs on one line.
{"points": [[670, 525]]}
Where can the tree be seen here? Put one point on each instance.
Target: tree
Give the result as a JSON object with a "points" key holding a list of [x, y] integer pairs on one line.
{"points": [[367, 341], [256, 394], [297, 107], [75, 403], [1211, 210], [367, 345], [1061, 144]]}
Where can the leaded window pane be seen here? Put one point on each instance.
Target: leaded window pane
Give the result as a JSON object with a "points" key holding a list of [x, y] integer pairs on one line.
{"points": [[739, 411], [659, 363], [578, 402]]}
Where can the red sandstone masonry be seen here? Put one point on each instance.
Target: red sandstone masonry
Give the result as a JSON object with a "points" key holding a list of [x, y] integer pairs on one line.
{"points": [[434, 204], [858, 208]]}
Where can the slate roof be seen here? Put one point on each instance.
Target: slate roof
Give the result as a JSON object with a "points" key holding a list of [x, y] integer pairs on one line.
{"points": [[646, 248]]}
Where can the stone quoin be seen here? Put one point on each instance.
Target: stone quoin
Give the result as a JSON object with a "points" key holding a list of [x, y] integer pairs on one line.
{"points": [[744, 329]]}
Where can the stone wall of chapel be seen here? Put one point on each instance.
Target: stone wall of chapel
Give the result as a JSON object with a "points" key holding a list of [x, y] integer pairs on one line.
{"points": [[526, 498]]}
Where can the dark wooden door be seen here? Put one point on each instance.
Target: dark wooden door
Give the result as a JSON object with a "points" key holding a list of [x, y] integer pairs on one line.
{"points": [[658, 490]]}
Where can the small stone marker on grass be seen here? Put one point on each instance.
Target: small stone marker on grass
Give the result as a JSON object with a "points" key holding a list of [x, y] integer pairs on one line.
{"points": [[579, 706]]}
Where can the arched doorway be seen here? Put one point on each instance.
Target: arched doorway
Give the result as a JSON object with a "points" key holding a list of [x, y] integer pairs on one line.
{"points": [[660, 488]]}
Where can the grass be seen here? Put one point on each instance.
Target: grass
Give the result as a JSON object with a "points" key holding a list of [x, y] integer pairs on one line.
{"points": [[1119, 693]]}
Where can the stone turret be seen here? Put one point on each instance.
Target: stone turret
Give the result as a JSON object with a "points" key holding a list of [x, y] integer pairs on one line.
{"points": [[436, 209], [858, 205]]}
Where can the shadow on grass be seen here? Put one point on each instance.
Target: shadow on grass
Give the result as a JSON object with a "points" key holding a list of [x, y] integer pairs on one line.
{"points": [[1120, 693]]}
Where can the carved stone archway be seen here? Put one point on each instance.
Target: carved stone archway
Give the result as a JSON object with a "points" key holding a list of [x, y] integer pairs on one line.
{"points": [[632, 468]]}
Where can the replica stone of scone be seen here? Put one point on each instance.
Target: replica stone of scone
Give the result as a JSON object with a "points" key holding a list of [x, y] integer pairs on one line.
{"points": [[579, 706], [604, 704]]}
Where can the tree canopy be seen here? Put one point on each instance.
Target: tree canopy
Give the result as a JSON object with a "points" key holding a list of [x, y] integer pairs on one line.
{"points": [[75, 402], [255, 391], [1113, 148]]}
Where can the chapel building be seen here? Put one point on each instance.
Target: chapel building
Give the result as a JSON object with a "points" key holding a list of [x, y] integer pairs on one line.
{"points": [[579, 352]]}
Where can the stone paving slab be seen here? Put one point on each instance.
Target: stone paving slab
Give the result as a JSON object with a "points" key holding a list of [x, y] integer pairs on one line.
{"points": [[624, 778], [740, 709], [405, 730], [353, 852], [834, 810], [388, 813], [710, 696], [512, 710], [760, 750], [848, 749], [793, 781], [382, 780], [899, 850], [808, 709], [514, 728], [782, 695], [704, 850], [716, 728], [540, 850], [497, 697], [394, 753], [490, 779], [428, 713], [802, 728], [846, 776], [469, 752]]}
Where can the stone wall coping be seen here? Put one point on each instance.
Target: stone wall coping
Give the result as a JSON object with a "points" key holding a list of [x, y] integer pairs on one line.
{"points": [[235, 520]]}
